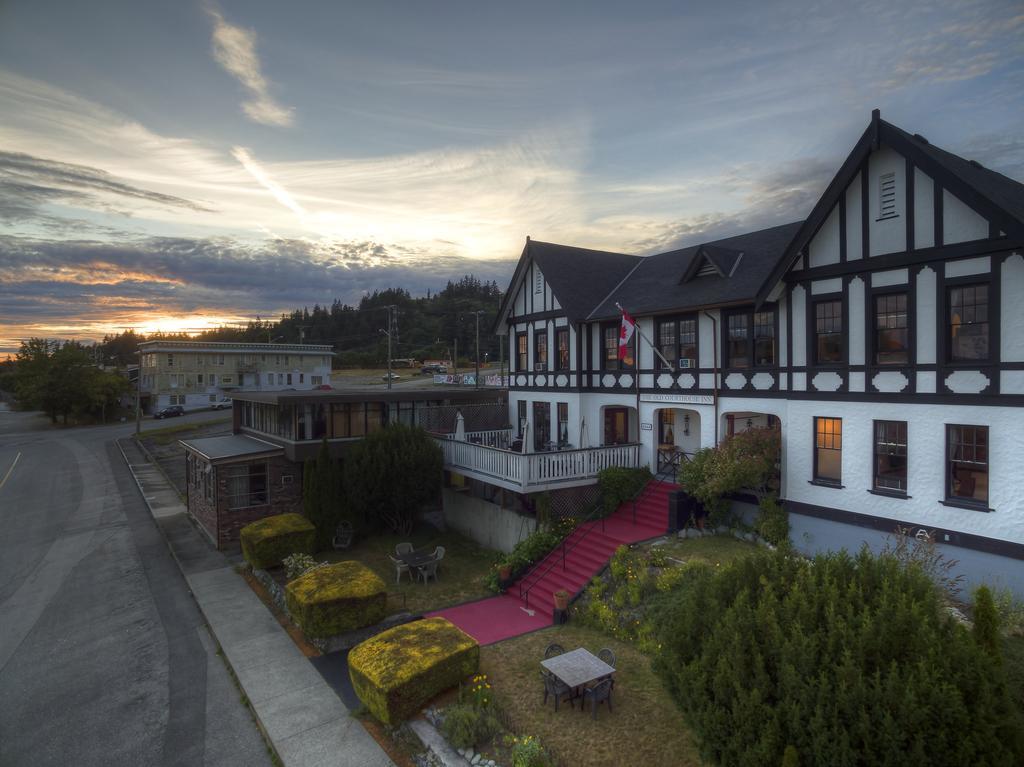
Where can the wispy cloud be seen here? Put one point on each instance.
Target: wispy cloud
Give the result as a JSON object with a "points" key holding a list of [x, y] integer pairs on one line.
{"points": [[234, 48], [280, 193]]}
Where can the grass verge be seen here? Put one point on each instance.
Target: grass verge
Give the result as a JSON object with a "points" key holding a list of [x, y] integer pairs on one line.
{"points": [[645, 726], [459, 579]]}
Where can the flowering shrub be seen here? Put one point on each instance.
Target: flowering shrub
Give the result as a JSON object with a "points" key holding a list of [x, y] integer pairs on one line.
{"points": [[480, 689], [528, 752], [298, 564], [473, 723]]}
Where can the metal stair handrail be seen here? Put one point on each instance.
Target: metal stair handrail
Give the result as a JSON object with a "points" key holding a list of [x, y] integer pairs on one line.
{"points": [[525, 595], [657, 479]]}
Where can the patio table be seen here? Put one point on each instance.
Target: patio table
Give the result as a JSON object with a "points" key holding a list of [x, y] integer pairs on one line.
{"points": [[577, 667], [415, 559]]}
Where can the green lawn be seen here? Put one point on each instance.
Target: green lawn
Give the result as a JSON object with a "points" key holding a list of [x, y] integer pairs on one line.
{"points": [[644, 728], [460, 577], [168, 434], [714, 549]]}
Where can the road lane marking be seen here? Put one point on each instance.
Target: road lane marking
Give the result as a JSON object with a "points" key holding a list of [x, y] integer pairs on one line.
{"points": [[4, 480]]}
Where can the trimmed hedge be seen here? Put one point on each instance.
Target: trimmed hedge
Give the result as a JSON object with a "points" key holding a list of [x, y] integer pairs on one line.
{"points": [[398, 671], [333, 599], [268, 541]]}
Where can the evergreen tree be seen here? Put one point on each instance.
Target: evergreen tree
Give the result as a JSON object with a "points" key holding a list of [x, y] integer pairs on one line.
{"points": [[986, 623]]}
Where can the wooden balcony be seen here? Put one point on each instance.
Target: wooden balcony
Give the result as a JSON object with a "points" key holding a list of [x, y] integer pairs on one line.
{"points": [[485, 456]]}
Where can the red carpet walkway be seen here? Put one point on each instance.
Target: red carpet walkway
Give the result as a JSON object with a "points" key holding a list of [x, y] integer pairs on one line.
{"points": [[501, 617]]}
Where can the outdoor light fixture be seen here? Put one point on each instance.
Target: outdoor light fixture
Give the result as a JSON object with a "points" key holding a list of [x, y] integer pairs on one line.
{"points": [[750, 422], [686, 424]]}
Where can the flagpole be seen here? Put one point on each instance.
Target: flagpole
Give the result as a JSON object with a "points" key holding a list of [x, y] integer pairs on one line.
{"points": [[639, 332]]}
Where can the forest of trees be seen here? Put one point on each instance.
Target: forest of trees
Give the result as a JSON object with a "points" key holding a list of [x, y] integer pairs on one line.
{"points": [[422, 328]]}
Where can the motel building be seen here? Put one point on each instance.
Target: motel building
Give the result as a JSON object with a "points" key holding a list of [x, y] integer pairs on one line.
{"points": [[197, 374], [884, 336]]}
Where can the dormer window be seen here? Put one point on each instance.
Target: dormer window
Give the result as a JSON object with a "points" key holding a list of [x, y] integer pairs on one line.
{"points": [[887, 196]]}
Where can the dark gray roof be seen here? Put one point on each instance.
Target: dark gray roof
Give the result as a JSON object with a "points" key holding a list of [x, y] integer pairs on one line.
{"points": [[579, 277], [1001, 190], [231, 446], [657, 284]]}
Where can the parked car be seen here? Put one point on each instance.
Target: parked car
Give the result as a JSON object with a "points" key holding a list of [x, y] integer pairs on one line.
{"points": [[169, 412], [429, 370], [221, 404], [323, 387], [392, 376]]}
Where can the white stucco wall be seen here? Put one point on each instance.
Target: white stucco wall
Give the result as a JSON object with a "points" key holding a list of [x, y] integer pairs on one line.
{"points": [[926, 439], [854, 235], [924, 210], [887, 235], [959, 222], [1011, 339], [824, 247]]}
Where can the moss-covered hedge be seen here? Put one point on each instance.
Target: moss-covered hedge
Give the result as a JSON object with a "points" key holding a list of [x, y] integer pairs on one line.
{"points": [[267, 542], [333, 599], [398, 671]]}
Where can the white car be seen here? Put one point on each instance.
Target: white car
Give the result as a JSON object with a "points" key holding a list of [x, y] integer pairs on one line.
{"points": [[222, 404], [393, 376]]}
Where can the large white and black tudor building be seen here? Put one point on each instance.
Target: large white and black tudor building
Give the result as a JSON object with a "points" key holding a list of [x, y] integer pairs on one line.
{"points": [[884, 335]]}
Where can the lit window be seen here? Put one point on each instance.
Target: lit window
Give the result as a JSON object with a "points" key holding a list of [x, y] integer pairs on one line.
{"points": [[828, 450]]}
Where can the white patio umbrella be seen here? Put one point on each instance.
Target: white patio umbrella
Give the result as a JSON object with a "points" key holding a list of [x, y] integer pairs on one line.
{"points": [[584, 437], [460, 426], [526, 434]]}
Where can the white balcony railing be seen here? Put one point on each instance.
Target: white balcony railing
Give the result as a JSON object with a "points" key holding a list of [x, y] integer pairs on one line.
{"points": [[527, 472]]}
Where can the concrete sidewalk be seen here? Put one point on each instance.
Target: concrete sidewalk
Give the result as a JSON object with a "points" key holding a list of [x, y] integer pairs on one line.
{"points": [[301, 715]]}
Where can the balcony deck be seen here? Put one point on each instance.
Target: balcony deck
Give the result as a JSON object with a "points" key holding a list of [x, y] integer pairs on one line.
{"points": [[485, 456]]}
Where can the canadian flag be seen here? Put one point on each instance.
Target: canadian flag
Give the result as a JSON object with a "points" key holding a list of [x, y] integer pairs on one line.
{"points": [[626, 331]]}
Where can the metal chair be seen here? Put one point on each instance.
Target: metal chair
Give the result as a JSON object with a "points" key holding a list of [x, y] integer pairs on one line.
{"points": [[400, 567], [552, 650], [598, 694], [608, 657], [428, 570], [403, 548], [342, 535], [556, 687], [439, 553]]}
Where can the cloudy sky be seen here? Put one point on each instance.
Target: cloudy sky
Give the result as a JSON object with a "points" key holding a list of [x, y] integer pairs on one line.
{"points": [[176, 165]]}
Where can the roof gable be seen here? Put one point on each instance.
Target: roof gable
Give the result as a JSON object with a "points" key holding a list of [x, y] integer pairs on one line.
{"points": [[992, 194], [712, 259], [578, 277]]}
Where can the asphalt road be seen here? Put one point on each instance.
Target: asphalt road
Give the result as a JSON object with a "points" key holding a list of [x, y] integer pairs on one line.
{"points": [[104, 656]]}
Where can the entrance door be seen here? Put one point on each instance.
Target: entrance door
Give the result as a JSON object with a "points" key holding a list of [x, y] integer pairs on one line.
{"points": [[541, 425], [616, 425]]}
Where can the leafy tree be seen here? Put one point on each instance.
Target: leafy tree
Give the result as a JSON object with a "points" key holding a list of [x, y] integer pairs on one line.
{"points": [[986, 623], [850, 660], [389, 476], [322, 494]]}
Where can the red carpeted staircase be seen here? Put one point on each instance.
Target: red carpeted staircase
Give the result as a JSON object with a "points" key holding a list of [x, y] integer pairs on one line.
{"points": [[587, 550]]}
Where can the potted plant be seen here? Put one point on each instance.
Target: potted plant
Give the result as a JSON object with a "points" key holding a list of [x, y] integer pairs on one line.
{"points": [[561, 599], [504, 572]]}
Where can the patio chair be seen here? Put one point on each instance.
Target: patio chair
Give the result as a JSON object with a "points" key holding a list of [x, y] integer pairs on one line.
{"points": [[557, 688], [439, 553], [400, 567], [342, 535], [428, 570], [552, 650], [608, 657], [403, 548], [598, 694]]}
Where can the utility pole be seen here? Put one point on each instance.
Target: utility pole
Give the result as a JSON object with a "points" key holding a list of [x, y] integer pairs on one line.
{"points": [[138, 396], [477, 313], [388, 334], [455, 359]]}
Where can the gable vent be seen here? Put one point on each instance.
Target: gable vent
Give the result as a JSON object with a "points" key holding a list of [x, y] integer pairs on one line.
{"points": [[887, 195], [708, 270]]}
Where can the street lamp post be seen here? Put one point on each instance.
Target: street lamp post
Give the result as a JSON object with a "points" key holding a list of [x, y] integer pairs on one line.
{"points": [[138, 396]]}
